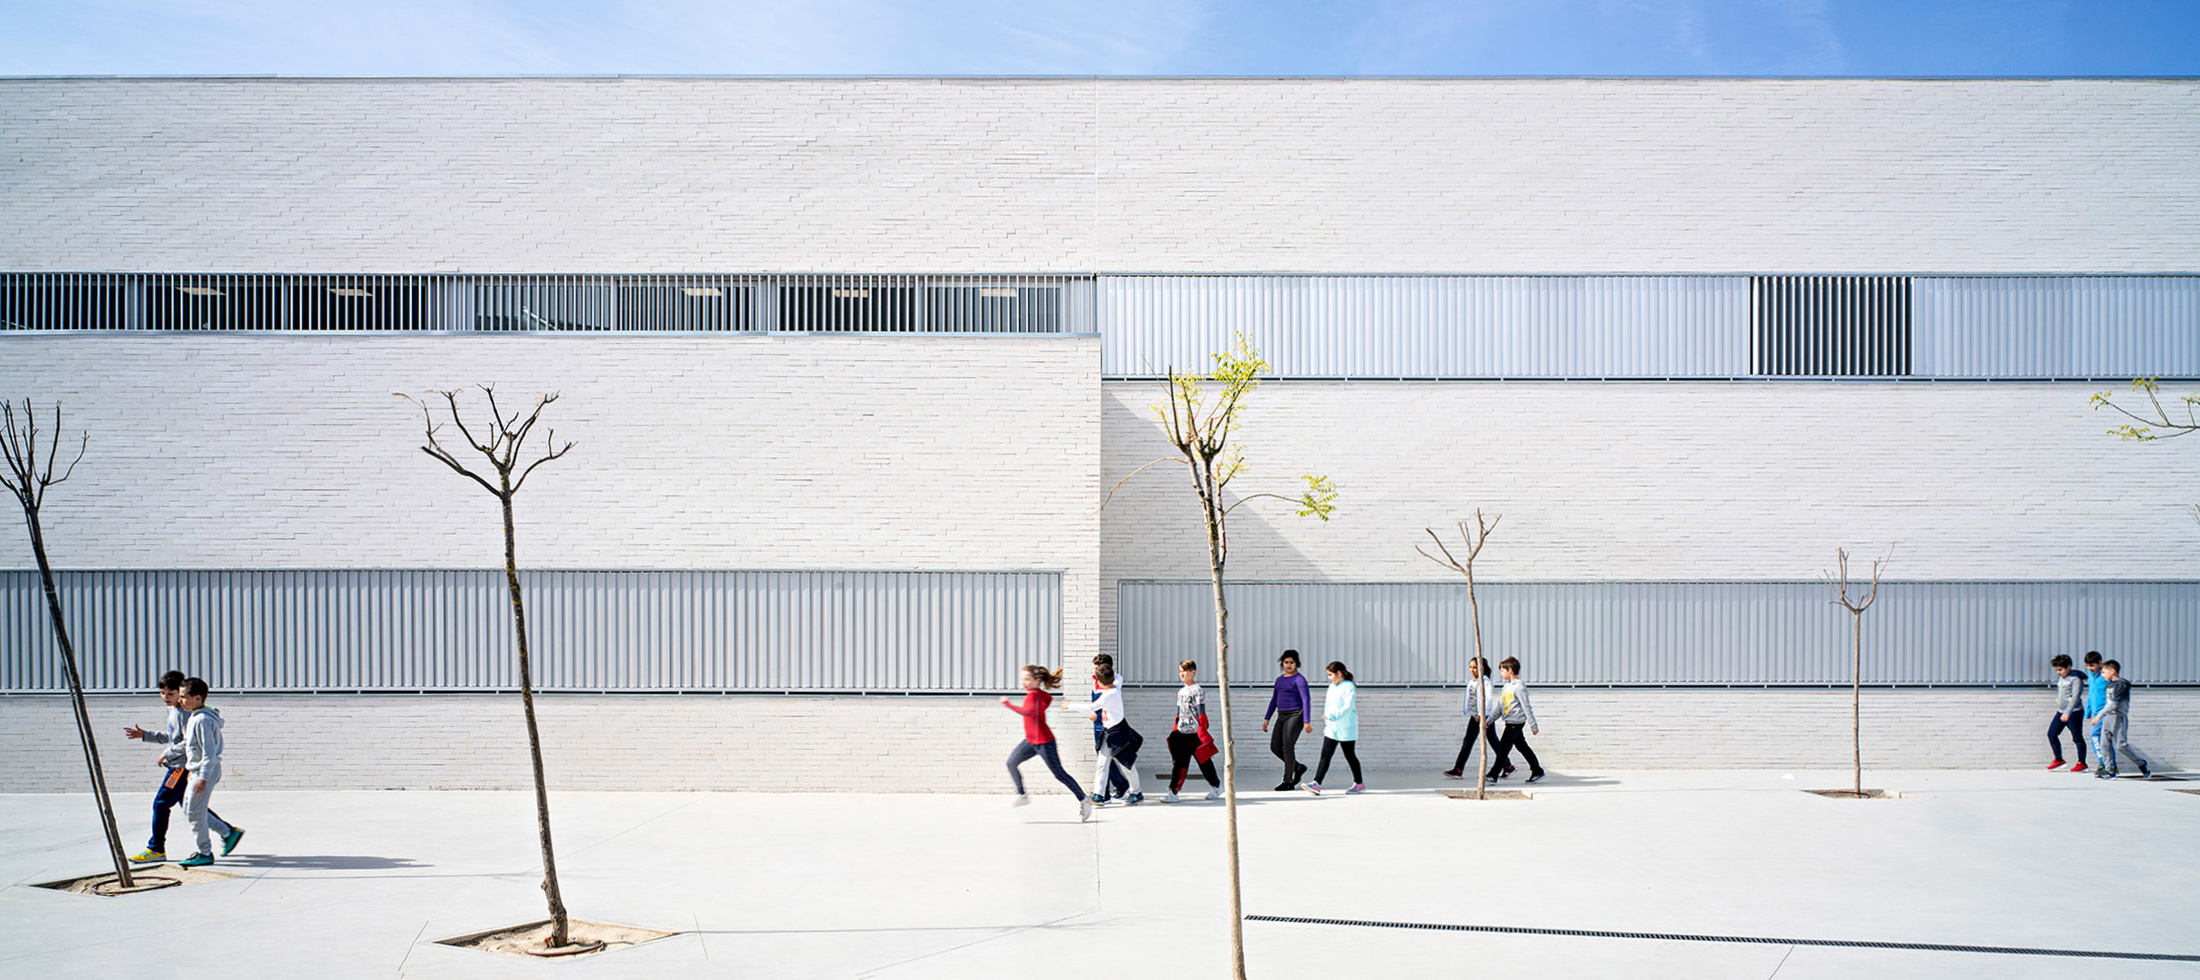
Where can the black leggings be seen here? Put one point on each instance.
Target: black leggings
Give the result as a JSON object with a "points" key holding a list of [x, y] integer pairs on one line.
{"points": [[1466, 747], [2054, 736], [1046, 751], [1182, 745], [1283, 742], [1351, 758], [1516, 737]]}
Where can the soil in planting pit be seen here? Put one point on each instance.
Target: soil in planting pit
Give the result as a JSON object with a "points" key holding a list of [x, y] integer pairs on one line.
{"points": [[1850, 794], [1495, 794], [149, 879], [582, 937]]}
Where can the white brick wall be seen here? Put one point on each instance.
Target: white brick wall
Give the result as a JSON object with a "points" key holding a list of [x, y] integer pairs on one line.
{"points": [[1458, 175], [959, 744]]}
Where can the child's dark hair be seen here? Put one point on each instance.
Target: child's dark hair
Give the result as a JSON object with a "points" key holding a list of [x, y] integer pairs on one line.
{"points": [[1049, 679], [1511, 664], [2092, 657], [194, 688], [1484, 664], [1290, 655], [2061, 660], [1188, 665], [172, 681], [1337, 667], [2112, 665], [1104, 673], [1103, 659]]}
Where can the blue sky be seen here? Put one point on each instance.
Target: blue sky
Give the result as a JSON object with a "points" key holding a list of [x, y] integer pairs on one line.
{"points": [[1140, 37]]}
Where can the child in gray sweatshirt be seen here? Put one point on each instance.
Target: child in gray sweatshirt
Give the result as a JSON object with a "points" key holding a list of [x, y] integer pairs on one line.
{"points": [[202, 758]]}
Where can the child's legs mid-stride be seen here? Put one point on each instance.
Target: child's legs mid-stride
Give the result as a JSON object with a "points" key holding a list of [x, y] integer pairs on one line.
{"points": [[1114, 784], [194, 809], [1466, 747], [1046, 753], [1351, 758], [2116, 740], [2054, 736], [1182, 747], [172, 790], [1283, 742], [1516, 737]]}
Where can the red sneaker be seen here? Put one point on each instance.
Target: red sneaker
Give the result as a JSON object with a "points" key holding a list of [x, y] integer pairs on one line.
{"points": [[2080, 767], [2057, 764]]}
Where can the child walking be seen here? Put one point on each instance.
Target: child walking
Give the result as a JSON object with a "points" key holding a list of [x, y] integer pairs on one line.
{"points": [[175, 779], [2096, 699], [1119, 747], [2114, 723], [202, 758], [1114, 787], [1514, 711], [1039, 739], [2070, 688], [1340, 726], [1291, 707], [1189, 740], [1480, 703]]}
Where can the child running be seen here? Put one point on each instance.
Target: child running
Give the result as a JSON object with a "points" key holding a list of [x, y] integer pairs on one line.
{"points": [[1189, 739], [1039, 739], [1291, 708], [1513, 709], [1119, 748], [1340, 726], [2070, 688], [176, 778], [1115, 788]]}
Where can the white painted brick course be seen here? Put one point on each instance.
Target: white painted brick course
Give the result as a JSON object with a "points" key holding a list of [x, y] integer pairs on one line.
{"points": [[1079, 175]]}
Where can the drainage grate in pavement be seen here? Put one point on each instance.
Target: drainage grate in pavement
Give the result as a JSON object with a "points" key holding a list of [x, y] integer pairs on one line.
{"points": [[1760, 940]]}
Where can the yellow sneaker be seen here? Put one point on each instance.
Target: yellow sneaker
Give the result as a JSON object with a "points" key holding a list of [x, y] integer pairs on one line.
{"points": [[149, 856]]}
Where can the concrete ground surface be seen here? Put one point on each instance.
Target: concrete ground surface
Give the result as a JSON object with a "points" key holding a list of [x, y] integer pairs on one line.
{"points": [[343, 884]]}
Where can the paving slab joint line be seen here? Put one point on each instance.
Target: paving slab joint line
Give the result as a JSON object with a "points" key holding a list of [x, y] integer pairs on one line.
{"points": [[1759, 940], [975, 942]]}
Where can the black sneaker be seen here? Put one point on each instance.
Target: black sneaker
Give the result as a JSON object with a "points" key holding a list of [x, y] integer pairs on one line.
{"points": [[2146, 771], [1454, 774], [1508, 770], [1534, 776], [1284, 787], [1301, 774]]}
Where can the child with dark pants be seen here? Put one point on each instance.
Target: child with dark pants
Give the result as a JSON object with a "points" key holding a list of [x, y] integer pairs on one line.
{"points": [[1116, 786], [1513, 710], [1039, 739], [1291, 708], [1340, 727], [1481, 700], [176, 782], [2070, 691], [1188, 740]]}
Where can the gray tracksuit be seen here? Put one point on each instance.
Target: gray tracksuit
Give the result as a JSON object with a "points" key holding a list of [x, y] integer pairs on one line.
{"points": [[172, 756], [202, 755]]}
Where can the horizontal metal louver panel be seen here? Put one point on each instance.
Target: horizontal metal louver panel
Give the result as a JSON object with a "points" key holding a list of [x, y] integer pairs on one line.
{"points": [[1014, 304], [1710, 633], [2058, 327], [590, 631], [1830, 326], [1431, 326]]}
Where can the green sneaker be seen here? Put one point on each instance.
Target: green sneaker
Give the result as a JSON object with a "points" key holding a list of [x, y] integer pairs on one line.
{"points": [[196, 861], [149, 856], [229, 840]]}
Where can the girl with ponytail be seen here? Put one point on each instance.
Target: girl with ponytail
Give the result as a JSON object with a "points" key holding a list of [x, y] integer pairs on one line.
{"points": [[1039, 739]]}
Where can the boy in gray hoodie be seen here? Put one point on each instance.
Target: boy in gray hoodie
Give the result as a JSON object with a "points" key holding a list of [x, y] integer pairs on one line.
{"points": [[202, 758], [175, 779]]}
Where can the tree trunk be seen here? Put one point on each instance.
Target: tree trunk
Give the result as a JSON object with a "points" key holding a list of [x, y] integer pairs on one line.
{"points": [[1229, 740], [76, 698], [1856, 711], [534, 734], [1482, 732]]}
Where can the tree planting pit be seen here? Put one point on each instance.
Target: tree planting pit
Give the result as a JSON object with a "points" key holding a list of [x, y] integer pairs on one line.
{"points": [[151, 879], [1850, 794], [582, 938], [1495, 794]]}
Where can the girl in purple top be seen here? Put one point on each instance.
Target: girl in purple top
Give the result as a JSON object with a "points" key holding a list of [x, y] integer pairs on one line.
{"points": [[1288, 708]]}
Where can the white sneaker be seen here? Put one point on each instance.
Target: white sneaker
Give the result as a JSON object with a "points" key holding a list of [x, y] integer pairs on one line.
{"points": [[1021, 800], [1215, 793], [1084, 809], [1171, 798]]}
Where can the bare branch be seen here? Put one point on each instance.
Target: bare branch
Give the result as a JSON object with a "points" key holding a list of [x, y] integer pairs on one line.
{"points": [[562, 450], [1110, 495], [1447, 561]]}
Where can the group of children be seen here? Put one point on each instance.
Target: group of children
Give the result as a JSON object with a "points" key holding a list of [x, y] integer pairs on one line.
{"points": [[1289, 714], [2097, 702], [192, 764]]}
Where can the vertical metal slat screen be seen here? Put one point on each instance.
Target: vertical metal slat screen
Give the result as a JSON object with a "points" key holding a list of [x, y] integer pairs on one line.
{"points": [[396, 630], [1830, 326]]}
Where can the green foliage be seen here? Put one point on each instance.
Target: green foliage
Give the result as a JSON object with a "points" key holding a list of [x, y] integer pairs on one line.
{"points": [[1319, 499], [2157, 418], [1201, 412]]}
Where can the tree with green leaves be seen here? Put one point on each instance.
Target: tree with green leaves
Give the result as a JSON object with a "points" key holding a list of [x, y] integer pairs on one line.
{"points": [[1198, 416], [28, 478], [503, 446]]}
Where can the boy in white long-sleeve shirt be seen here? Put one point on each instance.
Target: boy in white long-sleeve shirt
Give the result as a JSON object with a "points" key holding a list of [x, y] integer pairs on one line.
{"points": [[176, 779], [1513, 709], [202, 758]]}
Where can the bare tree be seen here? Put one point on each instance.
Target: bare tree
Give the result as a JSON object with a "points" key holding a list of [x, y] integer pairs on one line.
{"points": [[1838, 581], [1475, 537], [1198, 416], [503, 449], [29, 478]]}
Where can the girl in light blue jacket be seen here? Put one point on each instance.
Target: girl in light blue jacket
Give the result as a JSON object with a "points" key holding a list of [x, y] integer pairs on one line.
{"points": [[1340, 727]]}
